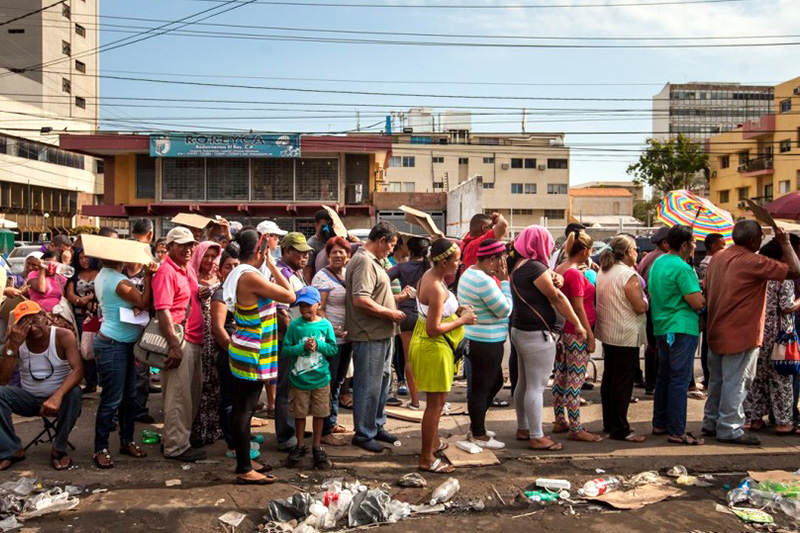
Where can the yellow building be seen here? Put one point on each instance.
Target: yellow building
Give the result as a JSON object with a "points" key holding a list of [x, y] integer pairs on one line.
{"points": [[759, 159]]}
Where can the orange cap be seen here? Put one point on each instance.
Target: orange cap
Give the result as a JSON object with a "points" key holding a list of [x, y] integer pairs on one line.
{"points": [[24, 309]]}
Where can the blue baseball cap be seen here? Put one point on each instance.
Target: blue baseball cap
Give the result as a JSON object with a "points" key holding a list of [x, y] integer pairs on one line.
{"points": [[307, 295]]}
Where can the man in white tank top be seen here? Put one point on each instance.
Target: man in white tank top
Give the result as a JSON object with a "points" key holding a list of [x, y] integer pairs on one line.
{"points": [[50, 374]]}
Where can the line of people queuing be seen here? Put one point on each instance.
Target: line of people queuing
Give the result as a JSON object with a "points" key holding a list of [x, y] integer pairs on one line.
{"points": [[315, 324]]}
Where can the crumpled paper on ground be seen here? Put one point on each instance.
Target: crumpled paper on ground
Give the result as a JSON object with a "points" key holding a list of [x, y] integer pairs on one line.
{"points": [[638, 497]]}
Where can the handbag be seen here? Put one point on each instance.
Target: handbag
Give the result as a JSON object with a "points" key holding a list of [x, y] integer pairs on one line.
{"points": [[785, 356], [152, 348], [460, 351], [556, 337]]}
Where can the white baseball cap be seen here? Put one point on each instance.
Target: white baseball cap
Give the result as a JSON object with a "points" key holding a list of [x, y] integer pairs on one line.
{"points": [[180, 235], [36, 255], [268, 227]]}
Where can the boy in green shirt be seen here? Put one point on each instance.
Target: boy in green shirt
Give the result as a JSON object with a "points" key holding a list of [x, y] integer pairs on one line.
{"points": [[308, 342]]}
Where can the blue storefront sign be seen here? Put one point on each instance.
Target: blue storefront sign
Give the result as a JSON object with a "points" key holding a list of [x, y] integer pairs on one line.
{"points": [[225, 145]]}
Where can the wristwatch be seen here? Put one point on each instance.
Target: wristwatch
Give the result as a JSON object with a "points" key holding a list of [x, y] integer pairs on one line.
{"points": [[9, 352]]}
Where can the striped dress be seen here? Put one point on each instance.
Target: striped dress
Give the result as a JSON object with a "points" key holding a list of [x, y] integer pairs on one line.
{"points": [[253, 351]]}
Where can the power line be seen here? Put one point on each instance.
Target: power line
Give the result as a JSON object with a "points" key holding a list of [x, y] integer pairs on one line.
{"points": [[483, 6], [28, 14]]}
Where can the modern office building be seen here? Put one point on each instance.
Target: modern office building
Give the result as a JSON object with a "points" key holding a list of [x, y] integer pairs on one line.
{"points": [[699, 110]]}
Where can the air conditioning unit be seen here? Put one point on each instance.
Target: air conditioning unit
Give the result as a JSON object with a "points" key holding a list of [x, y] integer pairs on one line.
{"points": [[505, 166], [542, 167], [796, 90]]}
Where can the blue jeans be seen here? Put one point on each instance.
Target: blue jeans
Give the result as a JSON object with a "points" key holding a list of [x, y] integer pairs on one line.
{"points": [[21, 402], [117, 368], [372, 375], [338, 367], [729, 380], [672, 382]]}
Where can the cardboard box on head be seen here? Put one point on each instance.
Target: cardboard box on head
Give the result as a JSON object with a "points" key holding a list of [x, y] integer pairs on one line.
{"points": [[423, 220], [116, 249], [338, 226], [191, 220], [761, 214]]}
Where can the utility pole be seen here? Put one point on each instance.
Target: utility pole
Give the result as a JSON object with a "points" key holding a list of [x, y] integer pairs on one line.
{"points": [[524, 119], [358, 121]]}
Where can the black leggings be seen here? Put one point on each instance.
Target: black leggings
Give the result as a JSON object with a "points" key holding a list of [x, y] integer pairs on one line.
{"points": [[486, 380], [617, 388], [245, 398]]}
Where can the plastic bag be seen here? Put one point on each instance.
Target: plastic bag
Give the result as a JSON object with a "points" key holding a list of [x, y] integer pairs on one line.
{"points": [[369, 507], [296, 507]]}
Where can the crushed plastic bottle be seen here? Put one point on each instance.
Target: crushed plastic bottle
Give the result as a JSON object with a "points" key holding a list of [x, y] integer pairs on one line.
{"points": [[541, 496], [599, 486], [59, 268], [445, 491], [150, 437], [791, 507], [677, 471], [741, 493]]}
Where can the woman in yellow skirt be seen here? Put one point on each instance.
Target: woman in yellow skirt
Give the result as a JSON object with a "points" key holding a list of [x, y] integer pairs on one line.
{"points": [[431, 356]]}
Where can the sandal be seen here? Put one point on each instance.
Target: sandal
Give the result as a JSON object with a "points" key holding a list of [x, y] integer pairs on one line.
{"points": [[332, 440], [559, 428], [346, 401], [437, 467], [633, 437], [57, 458], [133, 450], [263, 480], [11, 461], [523, 435], [552, 447], [103, 460], [588, 437], [443, 445], [687, 438], [338, 428]]}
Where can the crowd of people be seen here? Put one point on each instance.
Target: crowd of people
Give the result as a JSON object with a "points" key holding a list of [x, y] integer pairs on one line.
{"points": [[314, 325]]}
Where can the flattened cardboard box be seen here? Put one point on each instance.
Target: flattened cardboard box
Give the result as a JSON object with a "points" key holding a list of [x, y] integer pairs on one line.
{"points": [[191, 220], [116, 249]]}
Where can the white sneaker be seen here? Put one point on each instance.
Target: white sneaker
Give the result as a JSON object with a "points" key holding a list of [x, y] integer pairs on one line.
{"points": [[491, 444]]}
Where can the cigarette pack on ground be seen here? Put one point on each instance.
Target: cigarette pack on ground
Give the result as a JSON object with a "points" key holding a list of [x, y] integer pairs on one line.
{"points": [[116, 249], [191, 220]]}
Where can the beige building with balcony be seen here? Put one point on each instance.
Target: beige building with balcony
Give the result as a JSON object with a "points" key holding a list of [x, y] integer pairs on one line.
{"points": [[525, 175], [761, 159]]}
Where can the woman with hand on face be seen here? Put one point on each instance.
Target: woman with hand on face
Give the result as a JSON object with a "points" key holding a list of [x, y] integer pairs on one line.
{"points": [[81, 294], [439, 329]]}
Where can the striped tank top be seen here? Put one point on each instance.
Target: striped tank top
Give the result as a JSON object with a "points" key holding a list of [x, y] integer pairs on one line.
{"points": [[253, 351]]}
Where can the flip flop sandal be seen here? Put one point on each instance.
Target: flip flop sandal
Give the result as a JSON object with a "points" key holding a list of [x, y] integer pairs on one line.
{"points": [[133, 450], [338, 428], [687, 438], [437, 467], [443, 445], [552, 447], [792, 431], [55, 460], [109, 462], [12, 461], [633, 437], [266, 480]]}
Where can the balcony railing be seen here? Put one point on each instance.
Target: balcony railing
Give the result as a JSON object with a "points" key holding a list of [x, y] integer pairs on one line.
{"points": [[757, 165]]}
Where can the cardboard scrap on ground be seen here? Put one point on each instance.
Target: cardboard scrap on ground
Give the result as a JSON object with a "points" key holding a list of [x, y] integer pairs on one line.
{"points": [[777, 476], [422, 219], [116, 249], [191, 220], [638, 497], [404, 413], [459, 457], [339, 228]]}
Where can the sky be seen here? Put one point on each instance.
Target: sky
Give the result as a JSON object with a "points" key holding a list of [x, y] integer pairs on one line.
{"points": [[604, 135]]}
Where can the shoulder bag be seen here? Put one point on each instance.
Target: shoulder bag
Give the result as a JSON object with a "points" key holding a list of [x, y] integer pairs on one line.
{"points": [[152, 348], [785, 355], [556, 337]]}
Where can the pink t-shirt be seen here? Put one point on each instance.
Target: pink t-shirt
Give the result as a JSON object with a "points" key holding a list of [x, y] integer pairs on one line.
{"points": [[576, 285], [172, 287], [55, 289]]}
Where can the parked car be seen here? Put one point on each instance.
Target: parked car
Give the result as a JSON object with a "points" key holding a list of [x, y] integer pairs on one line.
{"points": [[16, 259]]}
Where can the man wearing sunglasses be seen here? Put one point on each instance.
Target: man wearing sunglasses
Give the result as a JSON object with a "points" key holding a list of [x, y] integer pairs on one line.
{"points": [[50, 370]]}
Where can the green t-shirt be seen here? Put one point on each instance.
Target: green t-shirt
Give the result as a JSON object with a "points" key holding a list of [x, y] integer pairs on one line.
{"points": [[309, 370], [671, 278]]}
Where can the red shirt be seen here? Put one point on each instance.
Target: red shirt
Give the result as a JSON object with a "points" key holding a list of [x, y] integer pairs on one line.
{"points": [[172, 288], [576, 285], [469, 247]]}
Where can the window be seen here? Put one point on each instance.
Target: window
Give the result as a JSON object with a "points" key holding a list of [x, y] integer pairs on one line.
{"points": [[438, 185], [3, 145], [516, 163], [273, 179], [556, 188], [724, 197], [227, 179], [786, 105], [516, 188], [488, 140], [556, 163], [401, 161], [528, 212], [80, 66], [725, 161], [462, 161], [744, 157], [66, 49], [183, 178], [145, 176], [488, 160], [784, 186], [554, 213], [16, 30], [488, 185], [408, 161], [80, 30], [785, 145], [437, 159], [318, 178], [65, 11], [66, 86], [530, 188], [80, 102], [400, 186], [743, 193], [530, 163], [768, 192], [99, 166]]}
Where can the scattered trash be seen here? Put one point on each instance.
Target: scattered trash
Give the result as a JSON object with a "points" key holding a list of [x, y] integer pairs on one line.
{"points": [[293, 508], [428, 509], [72, 490], [499, 498], [599, 486], [553, 484], [21, 487], [469, 447], [445, 491], [638, 497], [7, 524], [599, 471], [649, 477], [219, 502], [541, 496], [51, 501], [692, 481], [232, 518], [756, 516], [150, 437], [741, 493], [172, 482], [99, 491], [186, 467], [370, 507], [677, 471], [412, 479], [28, 497]]}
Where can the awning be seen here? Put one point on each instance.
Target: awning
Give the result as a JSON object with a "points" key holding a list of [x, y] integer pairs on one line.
{"points": [[263, 209]]}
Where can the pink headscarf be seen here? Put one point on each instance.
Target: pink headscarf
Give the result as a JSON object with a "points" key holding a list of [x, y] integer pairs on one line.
{"points": [[200, 251], [535, 242]]}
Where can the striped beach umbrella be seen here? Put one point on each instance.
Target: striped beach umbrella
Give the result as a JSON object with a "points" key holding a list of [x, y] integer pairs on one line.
{"points": [[686, 208]]}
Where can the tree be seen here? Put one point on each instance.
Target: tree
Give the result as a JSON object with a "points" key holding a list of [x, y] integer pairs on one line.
{"points": [[675, 164], [646, 210]]}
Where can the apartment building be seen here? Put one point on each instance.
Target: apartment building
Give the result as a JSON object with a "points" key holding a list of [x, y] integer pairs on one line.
{"points": [[699, 110], [761, 159], [525, 175], [634, 187]]}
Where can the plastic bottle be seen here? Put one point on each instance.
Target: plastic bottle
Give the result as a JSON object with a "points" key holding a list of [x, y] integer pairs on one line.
{"points": [[445, 491], [599, 486], [790, 506], [59, 268], [741, 493], [150, 437]]}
